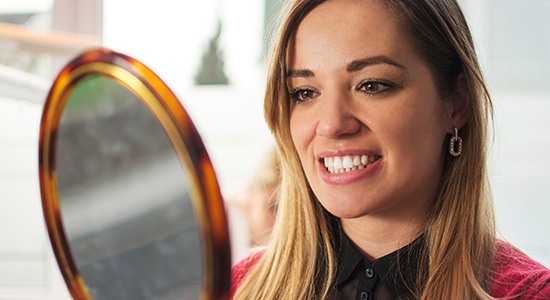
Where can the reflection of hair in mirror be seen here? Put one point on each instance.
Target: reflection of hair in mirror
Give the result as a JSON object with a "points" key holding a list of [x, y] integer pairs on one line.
{"points": [[373, 89]]}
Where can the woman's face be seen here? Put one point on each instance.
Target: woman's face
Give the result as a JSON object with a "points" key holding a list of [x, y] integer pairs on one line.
{"points": [[366, 119]]}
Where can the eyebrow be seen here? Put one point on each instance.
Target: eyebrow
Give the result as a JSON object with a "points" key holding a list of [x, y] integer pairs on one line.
{"points": [[357, 65], [353, 66], [299, 73]]}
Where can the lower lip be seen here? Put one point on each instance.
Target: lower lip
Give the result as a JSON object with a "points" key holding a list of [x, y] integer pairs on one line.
{"points": [[349, 177]]}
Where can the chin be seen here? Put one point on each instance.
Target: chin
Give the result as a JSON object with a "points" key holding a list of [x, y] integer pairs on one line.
{"points": [[352, 207], [346, 211]]}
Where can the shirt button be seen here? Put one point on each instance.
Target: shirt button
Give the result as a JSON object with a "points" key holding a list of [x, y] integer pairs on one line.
{"points": [[369, 272], [364, 295]]}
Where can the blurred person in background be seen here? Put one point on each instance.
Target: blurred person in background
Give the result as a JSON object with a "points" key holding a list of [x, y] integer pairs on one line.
{"points": [[256, 204]]}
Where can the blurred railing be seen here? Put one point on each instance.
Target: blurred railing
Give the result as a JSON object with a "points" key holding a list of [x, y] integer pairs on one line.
{"points": [[40, 52]]}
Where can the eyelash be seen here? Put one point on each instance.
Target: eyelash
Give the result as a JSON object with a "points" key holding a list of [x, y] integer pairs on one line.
{"points": [[383, 86], [296, 95]]}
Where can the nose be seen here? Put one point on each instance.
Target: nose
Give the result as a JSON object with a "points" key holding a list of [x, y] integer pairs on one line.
{"points": [[337, 118]]}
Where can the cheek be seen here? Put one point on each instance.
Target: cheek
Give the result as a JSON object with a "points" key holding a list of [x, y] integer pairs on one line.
{"points": [[422, 136], [300, 132], [414, 130]]}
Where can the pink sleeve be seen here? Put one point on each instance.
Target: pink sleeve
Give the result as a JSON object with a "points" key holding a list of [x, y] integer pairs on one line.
{"points": [[517, 276], [239, 271]]}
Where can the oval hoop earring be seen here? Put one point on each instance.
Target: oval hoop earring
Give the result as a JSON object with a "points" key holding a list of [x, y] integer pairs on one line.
{"points": [[455, 144]]}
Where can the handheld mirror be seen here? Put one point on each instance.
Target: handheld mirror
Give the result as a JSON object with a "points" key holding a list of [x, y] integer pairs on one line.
{"points": [[130, 197]]}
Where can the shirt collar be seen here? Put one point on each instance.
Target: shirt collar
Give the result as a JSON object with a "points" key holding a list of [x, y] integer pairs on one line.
{"points": [[398, 270]]}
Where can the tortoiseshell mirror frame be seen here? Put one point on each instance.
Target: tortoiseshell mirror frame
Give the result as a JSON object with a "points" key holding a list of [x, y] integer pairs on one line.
{"points": [[164, 105]]}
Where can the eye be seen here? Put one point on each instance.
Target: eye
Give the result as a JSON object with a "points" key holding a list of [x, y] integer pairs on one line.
{"points": [[302, 94], [373, 87]]}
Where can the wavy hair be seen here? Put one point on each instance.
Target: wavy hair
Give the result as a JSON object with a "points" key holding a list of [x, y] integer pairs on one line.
{"points": [[300, 262]]}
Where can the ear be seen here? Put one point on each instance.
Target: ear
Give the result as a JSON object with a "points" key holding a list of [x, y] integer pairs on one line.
{"points": [[459, 106]]}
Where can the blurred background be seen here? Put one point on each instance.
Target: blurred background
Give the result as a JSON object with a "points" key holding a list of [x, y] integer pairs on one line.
{"points": [[212, 54]]}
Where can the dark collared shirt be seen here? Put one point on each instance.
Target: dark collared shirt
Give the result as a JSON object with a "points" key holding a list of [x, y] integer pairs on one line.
{"points": [[393, 276]]}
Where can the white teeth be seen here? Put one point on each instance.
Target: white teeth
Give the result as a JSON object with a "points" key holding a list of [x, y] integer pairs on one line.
{"points": [[337, 163], [347, 163], [329, 164], [357, 161], [342, 164]]}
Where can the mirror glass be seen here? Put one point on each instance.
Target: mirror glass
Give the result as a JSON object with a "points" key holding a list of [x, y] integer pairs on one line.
{"points": [[124, 198]]}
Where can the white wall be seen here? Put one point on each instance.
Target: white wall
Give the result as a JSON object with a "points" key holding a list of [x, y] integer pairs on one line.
{"points": [[513, 42], [170, 37]]}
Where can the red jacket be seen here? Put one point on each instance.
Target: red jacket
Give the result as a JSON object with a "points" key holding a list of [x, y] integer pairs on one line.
{"points": [[515, 275]]}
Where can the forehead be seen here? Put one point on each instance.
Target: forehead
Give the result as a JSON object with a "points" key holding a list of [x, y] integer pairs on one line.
{"points": [[347, 29]]}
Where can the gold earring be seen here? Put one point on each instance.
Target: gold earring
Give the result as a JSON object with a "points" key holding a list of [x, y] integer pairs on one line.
{"points": [[455, 149]]}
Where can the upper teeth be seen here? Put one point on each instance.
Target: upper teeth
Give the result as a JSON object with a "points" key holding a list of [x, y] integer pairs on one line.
{"points": [[341, 164]]}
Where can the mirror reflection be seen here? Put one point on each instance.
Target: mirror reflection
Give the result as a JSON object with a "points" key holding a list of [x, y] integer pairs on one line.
{"points": [[124, 199]]}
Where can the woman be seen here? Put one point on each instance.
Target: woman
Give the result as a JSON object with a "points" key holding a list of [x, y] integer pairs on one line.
{"points": [[380, 114]]}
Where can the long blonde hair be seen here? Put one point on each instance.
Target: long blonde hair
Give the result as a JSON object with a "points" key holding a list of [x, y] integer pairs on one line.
{"points": [[300, 262]]}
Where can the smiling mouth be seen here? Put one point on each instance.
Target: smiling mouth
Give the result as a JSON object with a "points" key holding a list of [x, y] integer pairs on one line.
{"points": [[348, 163]]}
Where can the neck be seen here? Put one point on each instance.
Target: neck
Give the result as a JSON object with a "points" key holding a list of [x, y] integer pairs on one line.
{"points": [[377, 236]]}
